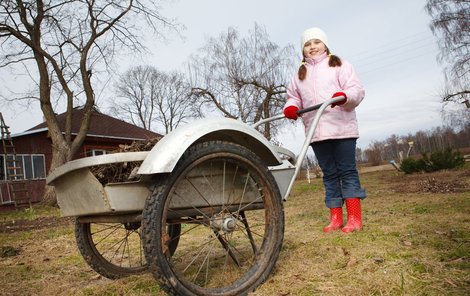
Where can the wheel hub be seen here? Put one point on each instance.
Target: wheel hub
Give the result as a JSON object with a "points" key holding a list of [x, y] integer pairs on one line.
{"points": [[223, 222], [132, 225]]}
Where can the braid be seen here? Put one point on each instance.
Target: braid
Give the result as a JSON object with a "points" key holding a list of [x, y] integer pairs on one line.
{"points": [[334, 60], [302, 70]]}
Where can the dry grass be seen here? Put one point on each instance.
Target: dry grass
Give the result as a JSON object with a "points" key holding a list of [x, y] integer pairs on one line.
{"points": [[415, 241], [412, 244]]}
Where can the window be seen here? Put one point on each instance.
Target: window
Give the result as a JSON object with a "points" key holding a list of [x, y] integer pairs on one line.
{"points": [[98, 152], [28, 167], [39, 170], [11, 163], [95, 152], [33, 165]]}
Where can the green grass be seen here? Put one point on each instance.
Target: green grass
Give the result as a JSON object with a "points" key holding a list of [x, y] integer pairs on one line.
{"points": [[29, 213]]}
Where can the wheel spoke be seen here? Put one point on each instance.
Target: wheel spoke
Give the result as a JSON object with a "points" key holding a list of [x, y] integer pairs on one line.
{"points": [[223, 185], [232, 192], [248, 231], [121, 243], [204, 246], [106, 227], [206, 259], [226, 246], [183, 233], [199, 211], [183, 215], [114, 230]]}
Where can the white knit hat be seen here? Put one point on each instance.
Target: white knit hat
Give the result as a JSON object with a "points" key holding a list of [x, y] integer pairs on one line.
{"points": [[313, 33]]}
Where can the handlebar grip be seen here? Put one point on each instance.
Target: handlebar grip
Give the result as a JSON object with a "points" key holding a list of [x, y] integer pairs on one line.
{"points": [[317, 106], [299, 112], [305, 110]]}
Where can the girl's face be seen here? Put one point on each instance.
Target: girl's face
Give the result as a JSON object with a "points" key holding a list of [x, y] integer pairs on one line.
{"points": [[313, 48]]}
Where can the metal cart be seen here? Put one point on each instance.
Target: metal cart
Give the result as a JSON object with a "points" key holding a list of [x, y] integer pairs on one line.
{"points": [[205, 215]]}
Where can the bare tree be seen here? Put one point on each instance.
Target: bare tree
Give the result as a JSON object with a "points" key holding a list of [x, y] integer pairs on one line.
{"points": [[148, 96], [61, 44], [437, 139], [451, 23], [174, 103], [457, 118], [359, 155], [241, 77], [375, 152]]}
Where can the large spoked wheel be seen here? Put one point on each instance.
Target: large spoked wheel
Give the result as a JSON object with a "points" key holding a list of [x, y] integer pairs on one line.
{"points": [[232, 223], [112, 249]]}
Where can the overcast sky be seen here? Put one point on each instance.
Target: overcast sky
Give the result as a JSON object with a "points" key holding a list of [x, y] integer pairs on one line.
{"points": [[389, 43]]}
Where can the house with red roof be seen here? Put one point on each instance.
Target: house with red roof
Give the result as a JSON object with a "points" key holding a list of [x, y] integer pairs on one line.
{"points": [[33, 148]]}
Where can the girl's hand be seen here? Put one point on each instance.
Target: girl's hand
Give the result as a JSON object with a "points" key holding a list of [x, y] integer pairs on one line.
{"points": [[338, 94], [291, 112]]}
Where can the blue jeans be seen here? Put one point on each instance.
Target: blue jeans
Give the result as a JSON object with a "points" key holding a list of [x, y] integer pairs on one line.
{"points": [[337, 160]]}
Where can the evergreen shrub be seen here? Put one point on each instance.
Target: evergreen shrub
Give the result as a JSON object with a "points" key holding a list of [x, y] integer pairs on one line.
{"points": [[436, 161]]}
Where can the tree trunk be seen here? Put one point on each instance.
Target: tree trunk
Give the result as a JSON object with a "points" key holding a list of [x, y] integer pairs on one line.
{"points": [[59, 157], [49, 196]]}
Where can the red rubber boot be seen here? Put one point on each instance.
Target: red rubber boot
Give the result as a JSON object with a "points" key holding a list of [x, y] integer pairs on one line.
{"points": [[336, 220], [353, 206]]}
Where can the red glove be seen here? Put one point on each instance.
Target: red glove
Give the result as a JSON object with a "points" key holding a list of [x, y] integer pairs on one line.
{"points": [[291, 112], [339, 94]]}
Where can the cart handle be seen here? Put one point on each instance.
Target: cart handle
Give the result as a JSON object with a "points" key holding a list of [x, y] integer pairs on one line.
{"points": [[308, 136], [308, 109], [299, 112]]}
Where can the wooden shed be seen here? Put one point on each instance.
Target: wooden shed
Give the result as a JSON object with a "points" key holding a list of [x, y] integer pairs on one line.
{"points": [[33, 152]]}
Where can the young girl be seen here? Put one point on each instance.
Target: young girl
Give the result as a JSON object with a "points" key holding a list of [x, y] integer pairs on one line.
{"points": [[321, 77]]}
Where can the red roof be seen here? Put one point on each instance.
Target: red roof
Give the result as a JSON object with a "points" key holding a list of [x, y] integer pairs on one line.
{"points": [[102, 125]]}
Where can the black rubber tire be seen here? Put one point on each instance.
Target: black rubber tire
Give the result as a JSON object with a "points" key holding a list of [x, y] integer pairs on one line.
{"points": [[110, 249], [228, 232]]}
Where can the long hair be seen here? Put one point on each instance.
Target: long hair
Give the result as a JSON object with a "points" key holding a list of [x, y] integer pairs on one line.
{"points": [[333, 61]]}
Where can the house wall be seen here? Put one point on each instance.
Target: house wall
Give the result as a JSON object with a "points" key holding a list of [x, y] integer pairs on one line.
{"points": [[100, 143], [40, 143], [35, 190], [37, 143]]}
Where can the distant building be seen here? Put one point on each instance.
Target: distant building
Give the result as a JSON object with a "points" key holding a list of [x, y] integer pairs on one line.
{"points": [[34, 148]]}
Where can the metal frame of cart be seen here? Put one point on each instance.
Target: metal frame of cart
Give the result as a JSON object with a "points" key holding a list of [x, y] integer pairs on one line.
{"points": [[205, 217]]}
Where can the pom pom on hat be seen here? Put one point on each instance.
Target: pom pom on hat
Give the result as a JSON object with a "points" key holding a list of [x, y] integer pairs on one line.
{"points": [[313, 33]]}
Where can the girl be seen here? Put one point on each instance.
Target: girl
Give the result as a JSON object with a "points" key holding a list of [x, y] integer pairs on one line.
{"points": [[321, 77]]}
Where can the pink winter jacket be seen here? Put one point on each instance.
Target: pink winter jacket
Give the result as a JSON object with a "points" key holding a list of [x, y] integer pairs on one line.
{"points": [[321, 82]]}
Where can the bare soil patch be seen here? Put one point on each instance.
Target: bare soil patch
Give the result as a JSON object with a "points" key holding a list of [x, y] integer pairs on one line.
{"points": [[35, 224], [448, 181]]}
